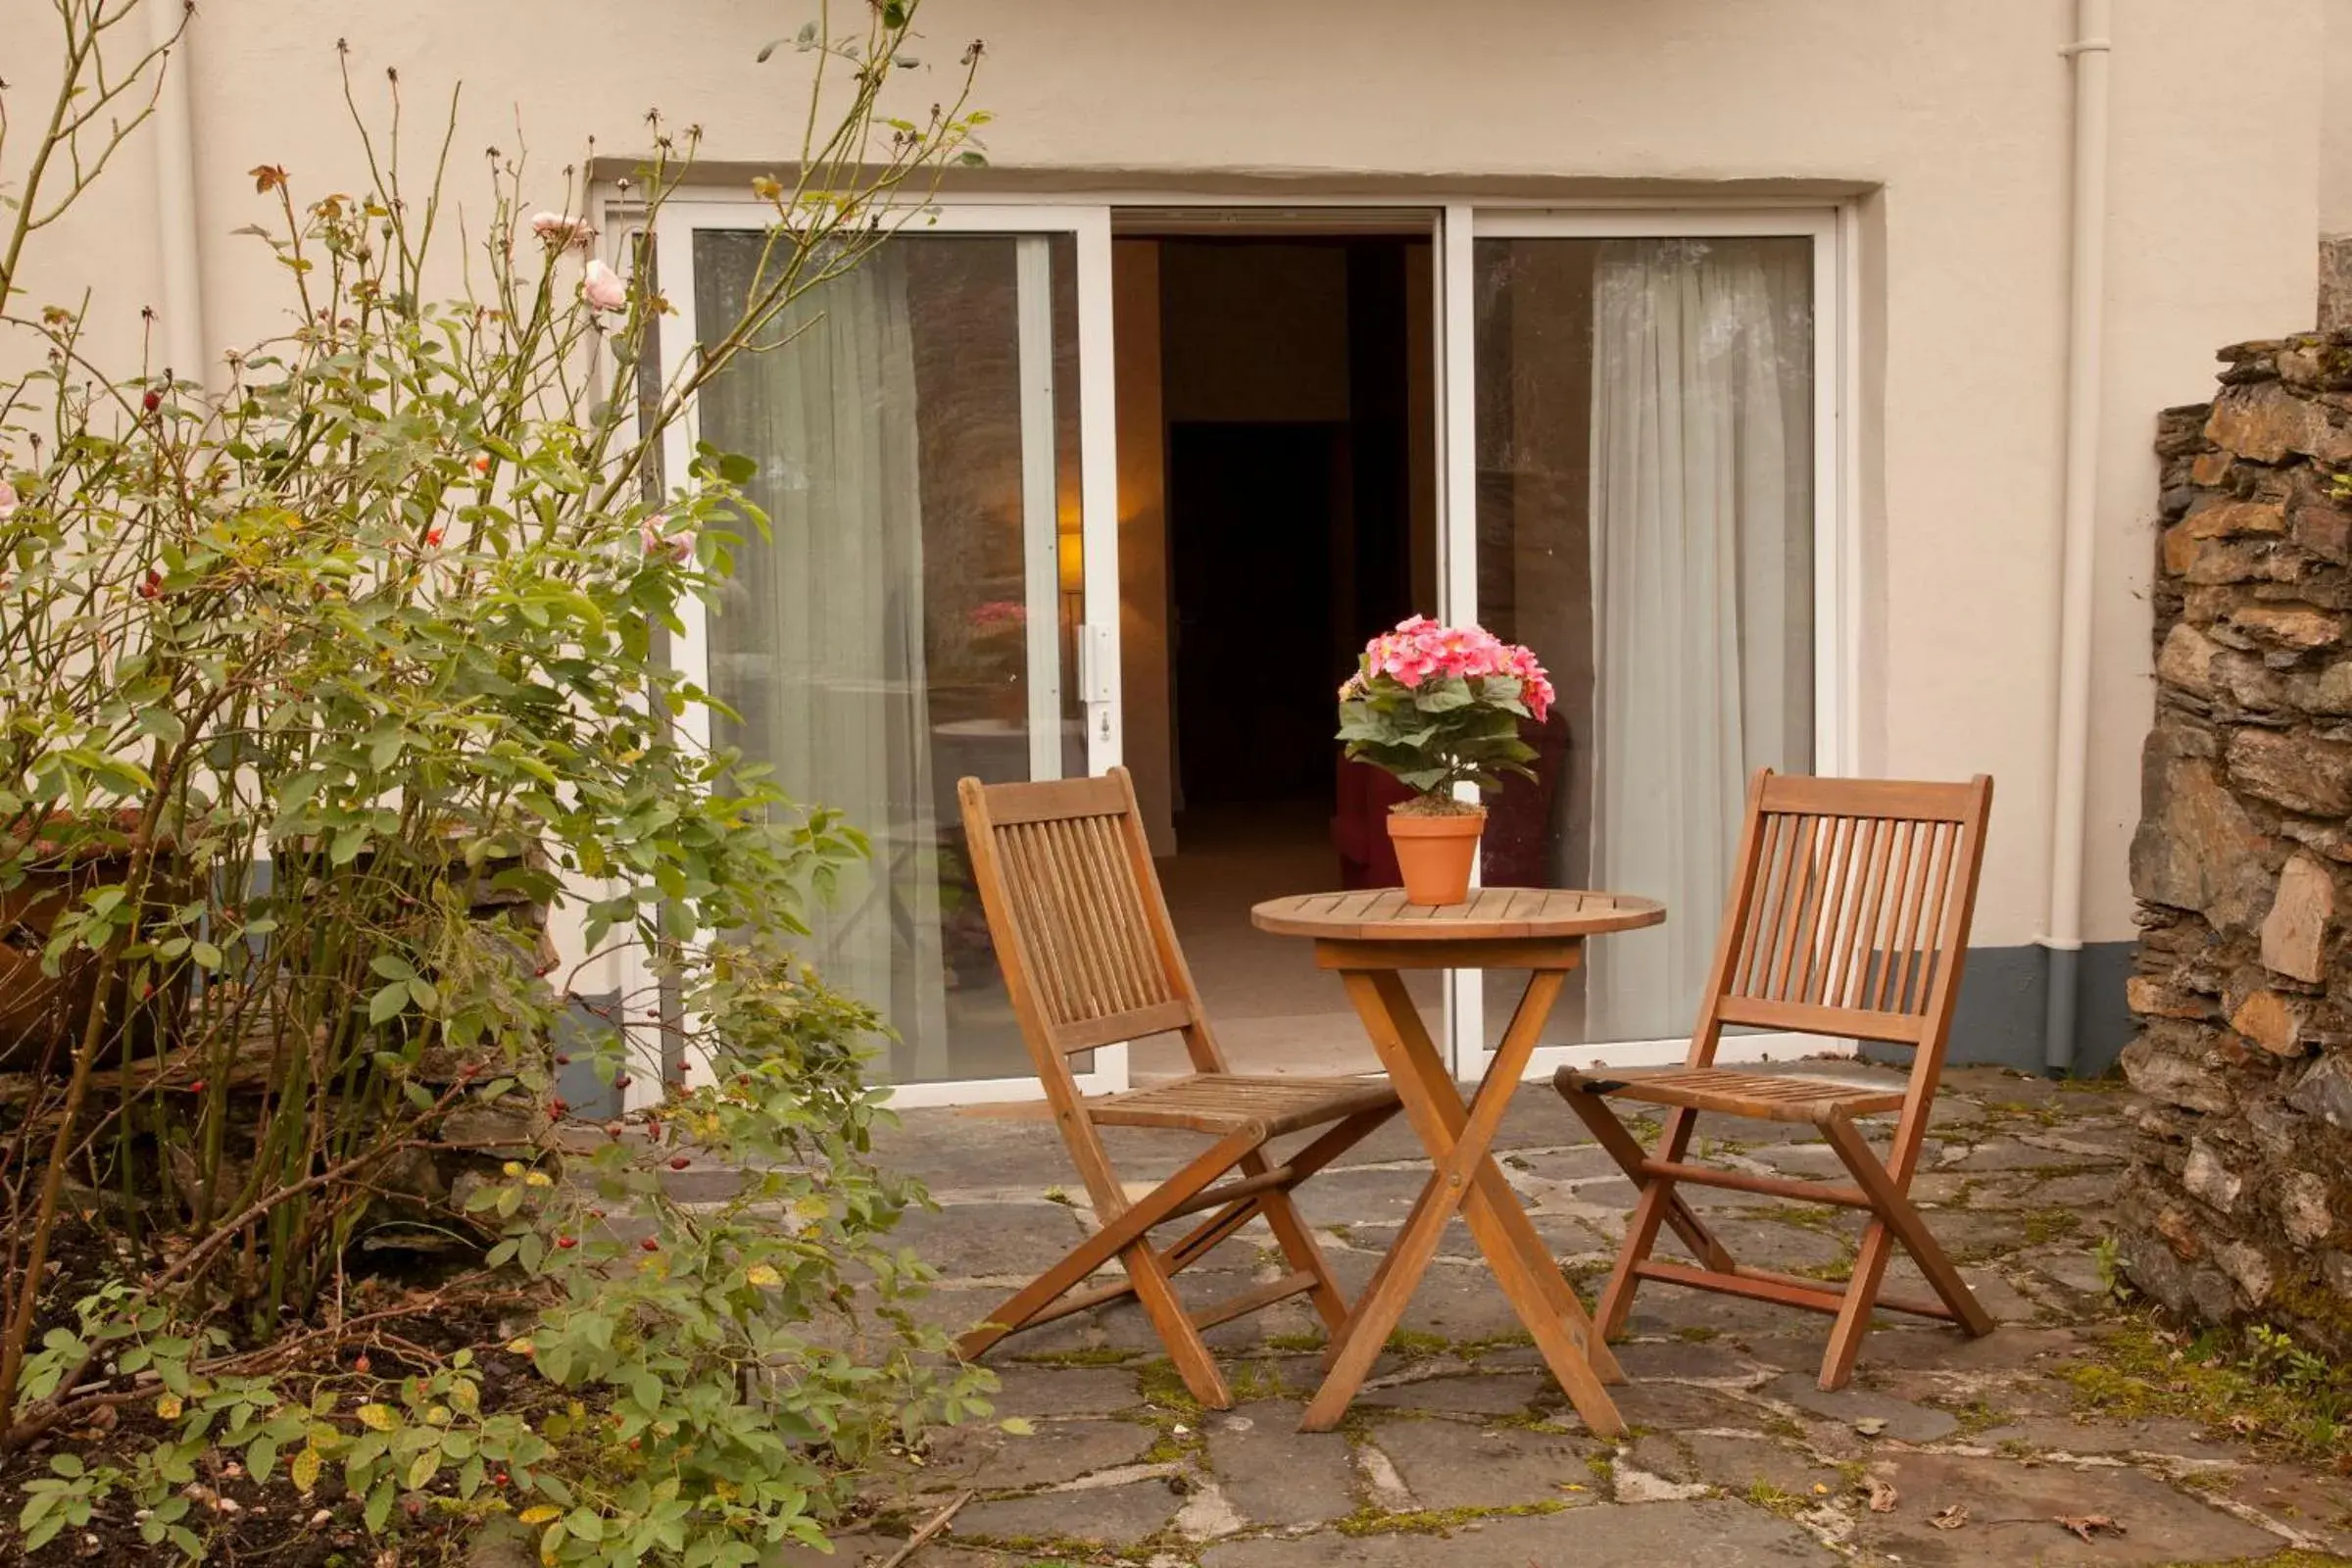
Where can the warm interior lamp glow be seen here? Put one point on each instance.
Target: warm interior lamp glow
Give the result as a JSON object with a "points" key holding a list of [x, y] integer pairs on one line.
{"points": [[1071, 551]]}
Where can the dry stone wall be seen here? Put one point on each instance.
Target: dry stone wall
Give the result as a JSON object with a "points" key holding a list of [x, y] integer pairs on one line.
{"points": [[2239, 1201]]}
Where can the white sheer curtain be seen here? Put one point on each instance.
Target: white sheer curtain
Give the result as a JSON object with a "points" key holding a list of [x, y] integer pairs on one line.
{"points": [[1701, 512], [817, 642]]}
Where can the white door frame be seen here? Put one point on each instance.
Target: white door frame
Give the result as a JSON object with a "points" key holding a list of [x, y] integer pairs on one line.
{"points": [[1097, 671], [1836, 560], [1457, 225]]}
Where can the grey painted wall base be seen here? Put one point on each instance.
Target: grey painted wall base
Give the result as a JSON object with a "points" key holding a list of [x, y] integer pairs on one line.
{"points": [[2004, 1001]]}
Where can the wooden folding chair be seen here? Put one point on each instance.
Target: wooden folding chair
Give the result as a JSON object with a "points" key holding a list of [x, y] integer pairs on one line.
{"points": [[1090, 957], [1848, 917]]}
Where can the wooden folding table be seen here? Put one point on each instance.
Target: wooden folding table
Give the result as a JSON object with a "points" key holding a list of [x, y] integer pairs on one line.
{"points": [[1370, 938]]}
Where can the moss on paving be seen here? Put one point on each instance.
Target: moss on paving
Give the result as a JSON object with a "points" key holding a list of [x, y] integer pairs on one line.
{"points": [[1838, 1271], [1169, 1448], [2047, 1114], [1257, 1380], [1771, 1500], [1808, 1216], [1580, 1275], [1975, 1417], [1434, 1521], [1099, 1357], [2290, 1558], [2044, 1225], [2138, 1369], [1054, 1551], [1416, 1345], [1160, 1383], [1488, 1344]]}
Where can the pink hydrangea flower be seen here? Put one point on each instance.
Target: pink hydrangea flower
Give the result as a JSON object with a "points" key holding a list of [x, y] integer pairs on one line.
{"points": [[1419, 648]]}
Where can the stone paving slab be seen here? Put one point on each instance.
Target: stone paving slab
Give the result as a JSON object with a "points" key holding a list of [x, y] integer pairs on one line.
{"points": [[1462, 1452], [1717, 1534], [1271, 1475], [1451, 1465], [1093, 1516], [2013, 1510], [1467, 1394]]}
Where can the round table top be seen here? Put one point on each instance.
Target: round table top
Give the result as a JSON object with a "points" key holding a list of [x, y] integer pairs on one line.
{"points": [[1381, 914]]}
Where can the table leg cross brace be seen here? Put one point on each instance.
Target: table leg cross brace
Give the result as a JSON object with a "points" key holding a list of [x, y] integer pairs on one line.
{"points": [[1465, 1178]]}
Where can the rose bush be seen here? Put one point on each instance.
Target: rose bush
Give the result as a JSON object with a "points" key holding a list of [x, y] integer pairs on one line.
{"points": [[320, 676]]}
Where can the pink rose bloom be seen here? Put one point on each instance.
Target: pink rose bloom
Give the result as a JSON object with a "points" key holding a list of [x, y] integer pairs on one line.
{"points": [[604, 288], [662, 545], [561, 231], [8, 501]]}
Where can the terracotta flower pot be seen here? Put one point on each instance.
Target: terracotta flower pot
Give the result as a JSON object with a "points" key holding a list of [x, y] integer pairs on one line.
{"points": [[1435, 853]]}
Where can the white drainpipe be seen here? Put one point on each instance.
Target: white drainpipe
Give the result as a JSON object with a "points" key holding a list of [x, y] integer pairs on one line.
{"points": [[2062, 936], [175, 231]]}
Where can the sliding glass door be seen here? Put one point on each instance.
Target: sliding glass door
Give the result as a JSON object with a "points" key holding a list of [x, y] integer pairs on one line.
{"points": [[1642, 474], [932, 441], [1639, 469]]}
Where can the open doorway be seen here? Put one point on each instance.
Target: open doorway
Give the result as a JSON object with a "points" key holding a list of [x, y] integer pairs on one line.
{"points": [[1278, 468]]}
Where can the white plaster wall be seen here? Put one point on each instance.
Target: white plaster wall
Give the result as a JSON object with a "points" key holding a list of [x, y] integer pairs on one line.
{"points": [[1952, 118], [2336, 120]]}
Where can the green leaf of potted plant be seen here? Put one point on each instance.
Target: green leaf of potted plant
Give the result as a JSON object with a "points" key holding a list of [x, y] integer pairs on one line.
{"points": [[1440, 706]]}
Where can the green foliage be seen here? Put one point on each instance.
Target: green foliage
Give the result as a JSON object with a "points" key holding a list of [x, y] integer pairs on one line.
{"points": [[1447, 730], [310, 686], [2115, 1280]]}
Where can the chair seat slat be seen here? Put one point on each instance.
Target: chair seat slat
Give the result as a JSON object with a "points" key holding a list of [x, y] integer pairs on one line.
{"points": [[1210, 1102], [1769, 1097]]}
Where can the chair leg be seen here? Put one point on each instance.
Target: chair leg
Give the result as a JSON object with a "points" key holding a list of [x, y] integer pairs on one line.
{"points": [[1124, 1232], [1658, 1205], [1612, 1135], [1297, 1243], [1898, 1218], [1853, 1316], [1299, 1247], [1616, 1304], [1170, 1320]]}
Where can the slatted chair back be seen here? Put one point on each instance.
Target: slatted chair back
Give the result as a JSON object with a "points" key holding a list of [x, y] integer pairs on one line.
{"points": [[1850, 910], [1083, 932], [1090, 957]]}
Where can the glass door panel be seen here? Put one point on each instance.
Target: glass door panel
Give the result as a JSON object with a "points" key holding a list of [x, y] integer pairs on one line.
{"points": [[1646, 521], [917, 613]]}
